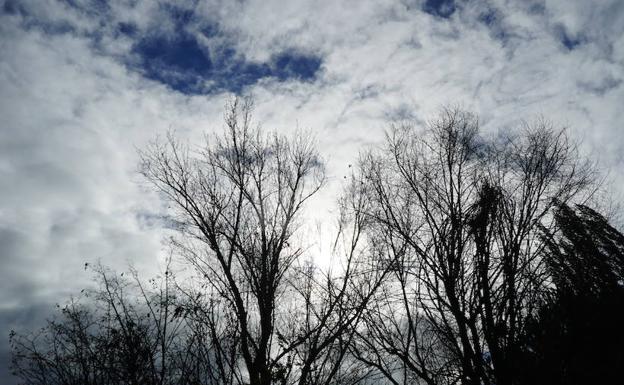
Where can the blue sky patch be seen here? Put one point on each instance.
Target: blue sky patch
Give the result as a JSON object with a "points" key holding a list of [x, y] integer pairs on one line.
{"points": [[13, 7], [441, 8], [127, 29], [181, 62], [182, 54], [176, 57], [491, 18], [184, 65], [291, 65], [568, 41]]}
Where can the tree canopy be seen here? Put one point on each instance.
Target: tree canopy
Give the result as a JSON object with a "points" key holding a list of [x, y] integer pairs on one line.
{"points": [[461, 258]]}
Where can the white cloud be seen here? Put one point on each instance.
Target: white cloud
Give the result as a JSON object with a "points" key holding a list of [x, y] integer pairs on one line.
{"points": [[72, 112]]}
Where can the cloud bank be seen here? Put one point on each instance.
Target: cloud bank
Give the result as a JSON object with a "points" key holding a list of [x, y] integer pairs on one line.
{"points": [[83, 83]]}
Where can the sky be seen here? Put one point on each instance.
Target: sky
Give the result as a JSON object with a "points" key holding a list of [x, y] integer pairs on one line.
{"points": [[85, 83]]}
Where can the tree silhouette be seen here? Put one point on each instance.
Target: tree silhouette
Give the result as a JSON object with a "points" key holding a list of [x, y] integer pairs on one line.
{"points": [[256, 312], [460, 215], [118, 333], [576, 336], [459, 259], [238, 202]]}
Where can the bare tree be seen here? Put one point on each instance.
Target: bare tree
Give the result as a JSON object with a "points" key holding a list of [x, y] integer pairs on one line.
{"points": [[255, 312], [238, 202], [440, 262], [459, 215], [118, 333], [328, 304], [211, 345]]}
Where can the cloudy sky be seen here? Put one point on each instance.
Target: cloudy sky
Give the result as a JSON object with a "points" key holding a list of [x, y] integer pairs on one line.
{"points": [[84, 83]]}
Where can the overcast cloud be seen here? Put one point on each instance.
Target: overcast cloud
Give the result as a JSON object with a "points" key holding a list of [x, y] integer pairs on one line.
{"points": [[83, 83]]}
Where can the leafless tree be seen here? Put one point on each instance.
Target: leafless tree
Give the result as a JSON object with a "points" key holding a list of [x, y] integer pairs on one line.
{"points": [[328, 304], [211, 344], [118, 333], [437, 264], [459, 215], [237, 202], [255, 312]]}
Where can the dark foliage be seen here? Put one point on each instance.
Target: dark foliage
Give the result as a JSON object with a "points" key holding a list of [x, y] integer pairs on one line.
{"points": [[578, 334]]}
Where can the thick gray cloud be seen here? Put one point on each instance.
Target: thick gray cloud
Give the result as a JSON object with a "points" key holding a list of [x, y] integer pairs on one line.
{"points": [[78, 95]]}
